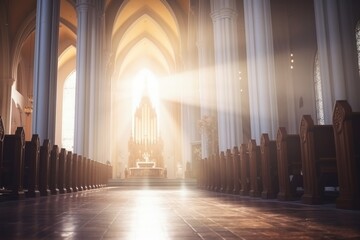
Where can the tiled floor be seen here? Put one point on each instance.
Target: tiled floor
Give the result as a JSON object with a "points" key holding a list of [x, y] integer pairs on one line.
{"points": [[171, 213]]}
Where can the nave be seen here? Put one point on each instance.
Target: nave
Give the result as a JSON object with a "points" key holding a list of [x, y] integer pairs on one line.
{"points": [[171, 213]]}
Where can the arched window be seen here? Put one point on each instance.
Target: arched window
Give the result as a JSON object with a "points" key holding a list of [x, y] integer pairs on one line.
{"points": [[318, 93], [68, 115]]}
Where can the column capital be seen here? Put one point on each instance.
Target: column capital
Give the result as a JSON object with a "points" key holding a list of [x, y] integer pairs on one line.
{"points": [[84, 4], [223, 13]]}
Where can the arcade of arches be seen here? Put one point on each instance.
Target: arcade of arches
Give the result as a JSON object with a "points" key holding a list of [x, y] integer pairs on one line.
{"points": [[216, 73]]}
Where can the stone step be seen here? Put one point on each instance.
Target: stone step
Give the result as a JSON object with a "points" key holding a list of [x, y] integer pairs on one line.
{"points": [[152, 182]]}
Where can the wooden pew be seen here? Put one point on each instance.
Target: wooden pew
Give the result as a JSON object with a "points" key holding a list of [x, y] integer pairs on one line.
{"points": [[289, 164], [245, 171], [31, 167], [254, 169], [13, 165], [347, 140], [91, 174], [2, 135], [84, 171], [229, 172], [269, 168], [62, 171], [223, 172], [54, 169], [44, 168], [207, 173], [210, 172], [88, 174], [68, 172], [236, 170], [318, 159], [80, 173], [217, 173], [74, 173]]}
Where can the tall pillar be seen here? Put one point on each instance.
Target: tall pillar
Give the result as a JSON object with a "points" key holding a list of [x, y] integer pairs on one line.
{"points": [[337, 54], [88, 87], [190, 110], [206, 80], [224, 14], [261, 69], [45, 69]]}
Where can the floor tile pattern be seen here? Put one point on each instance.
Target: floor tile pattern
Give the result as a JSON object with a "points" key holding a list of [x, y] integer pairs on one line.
{"points": [[171, 213]]}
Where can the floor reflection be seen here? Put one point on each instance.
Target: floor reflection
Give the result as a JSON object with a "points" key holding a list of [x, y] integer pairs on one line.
{"points": [[172, 213], [149, 216]]}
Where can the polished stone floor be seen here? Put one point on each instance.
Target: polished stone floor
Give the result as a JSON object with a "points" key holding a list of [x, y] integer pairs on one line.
{"points": [[171, 213]]}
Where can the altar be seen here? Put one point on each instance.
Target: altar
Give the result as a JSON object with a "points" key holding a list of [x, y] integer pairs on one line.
{"points": [[154, 172], [145, 168], [145, 145]]}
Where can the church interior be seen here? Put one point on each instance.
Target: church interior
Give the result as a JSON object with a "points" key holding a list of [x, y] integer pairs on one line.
{"points": [[179, 119]]}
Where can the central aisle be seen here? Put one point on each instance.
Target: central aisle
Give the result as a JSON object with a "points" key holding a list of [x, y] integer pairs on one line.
{"points": [[171, 213]]}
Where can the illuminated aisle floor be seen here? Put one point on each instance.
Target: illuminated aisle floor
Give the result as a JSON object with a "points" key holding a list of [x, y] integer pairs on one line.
{"points": [[171, 213]]}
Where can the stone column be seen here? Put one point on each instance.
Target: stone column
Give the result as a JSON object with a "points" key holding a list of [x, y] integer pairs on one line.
{"points": [[88, 87], [337, 54], [224, 16], [45, 69], [261, 70], [206, 80]]}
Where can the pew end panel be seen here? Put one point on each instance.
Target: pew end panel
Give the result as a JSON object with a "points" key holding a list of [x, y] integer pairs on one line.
{"points": [[236, 172], [255, 169], [289, 165], [31, 167], [347, 140], [244, 170], [318, 160], [270, 179], [13, 165]]}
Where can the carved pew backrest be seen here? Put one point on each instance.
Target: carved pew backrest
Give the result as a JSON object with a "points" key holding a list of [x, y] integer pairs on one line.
{"points": [[255, 169], [80, 173], [347, 140], [217, 173], [318, 159], [229, 172], [244, 170], [74, 173], [62, 171], [269, 167], [13, 163], [54, 170], [236, 170], [213, 164], [31, 167], [84, 172], [68, 172], [223, 176], [289, 163], [44, 168]]}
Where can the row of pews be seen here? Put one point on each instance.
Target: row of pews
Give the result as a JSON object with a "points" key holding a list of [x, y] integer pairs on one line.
{"points": [[30, 170], [322, 162]]}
